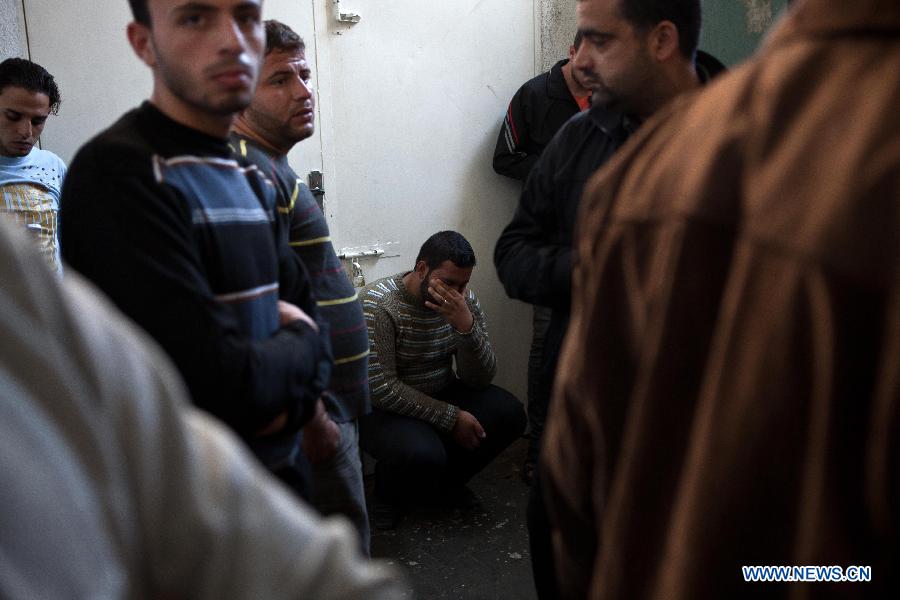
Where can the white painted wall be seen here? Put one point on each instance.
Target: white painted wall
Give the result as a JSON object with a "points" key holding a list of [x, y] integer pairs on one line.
{"points": [[84, 47], [410, 103]]}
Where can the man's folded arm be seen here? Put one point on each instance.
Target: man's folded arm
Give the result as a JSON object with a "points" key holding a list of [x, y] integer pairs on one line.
{"points": [[136, 245]]}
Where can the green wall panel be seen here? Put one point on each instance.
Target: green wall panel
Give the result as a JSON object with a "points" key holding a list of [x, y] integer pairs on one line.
{"points": [[733, 29]]}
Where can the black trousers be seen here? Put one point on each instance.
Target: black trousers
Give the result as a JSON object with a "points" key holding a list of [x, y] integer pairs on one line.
{"points": [[538, 520], [538, 391], [282, 454], [416, 461]]}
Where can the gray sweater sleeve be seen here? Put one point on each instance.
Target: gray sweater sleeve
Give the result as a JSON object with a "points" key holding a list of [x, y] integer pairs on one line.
{"points": [[388, 391], [476, 363]]}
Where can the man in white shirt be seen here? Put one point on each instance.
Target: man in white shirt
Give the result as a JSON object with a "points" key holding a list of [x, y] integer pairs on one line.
{"points": [[113, 486], [30, 178]]}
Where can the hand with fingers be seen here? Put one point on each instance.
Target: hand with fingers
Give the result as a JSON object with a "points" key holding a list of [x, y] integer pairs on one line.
{"points": [[451, 305], [288, 313], [321, 436], [467, 431]]}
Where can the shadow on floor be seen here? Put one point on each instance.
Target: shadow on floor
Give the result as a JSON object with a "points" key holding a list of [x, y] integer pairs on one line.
{"points": [[482, 555]]}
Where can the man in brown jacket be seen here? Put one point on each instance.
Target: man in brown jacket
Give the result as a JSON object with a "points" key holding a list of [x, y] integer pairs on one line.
{"points": [[729, 389]]}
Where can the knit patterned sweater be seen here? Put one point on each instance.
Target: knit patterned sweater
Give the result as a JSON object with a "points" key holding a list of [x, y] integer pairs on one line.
{"points": [[412, 349], [348, 391]]}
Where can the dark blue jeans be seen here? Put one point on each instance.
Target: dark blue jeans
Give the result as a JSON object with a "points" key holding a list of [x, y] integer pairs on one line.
{"points": [[416, 460]]}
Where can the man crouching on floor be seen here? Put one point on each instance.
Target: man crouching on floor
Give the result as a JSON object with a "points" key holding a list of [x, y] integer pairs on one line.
{"points": [[432, 428]]}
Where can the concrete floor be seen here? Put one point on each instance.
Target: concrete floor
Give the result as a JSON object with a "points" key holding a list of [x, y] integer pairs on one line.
{"points": [[482, 555]]}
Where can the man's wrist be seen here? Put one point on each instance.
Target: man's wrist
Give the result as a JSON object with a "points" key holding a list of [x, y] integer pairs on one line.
{"points": [[448, 420], [467, 330]]}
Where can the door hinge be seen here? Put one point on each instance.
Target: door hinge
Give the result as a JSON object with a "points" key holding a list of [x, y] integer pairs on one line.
{"points": [[343, 17]]}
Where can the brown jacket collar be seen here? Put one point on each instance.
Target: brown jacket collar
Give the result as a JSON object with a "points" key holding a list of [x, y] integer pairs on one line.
{"points": [[836, 17]]}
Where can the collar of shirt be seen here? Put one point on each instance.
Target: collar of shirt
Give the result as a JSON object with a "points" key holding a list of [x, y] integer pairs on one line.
{"points": [[556, 82], [171, 137], [838, 17]]}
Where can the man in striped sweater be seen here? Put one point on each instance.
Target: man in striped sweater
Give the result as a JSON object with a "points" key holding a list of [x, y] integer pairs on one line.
{"points": [[280, 115], [434, 424]]}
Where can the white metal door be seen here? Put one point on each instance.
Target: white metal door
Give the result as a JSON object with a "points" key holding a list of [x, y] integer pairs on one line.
{"points": [[412, 97], [410, 101]]}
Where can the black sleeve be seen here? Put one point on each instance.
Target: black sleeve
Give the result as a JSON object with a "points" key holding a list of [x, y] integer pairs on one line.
{"points": [[513, 155], [133, 239], [531, 263]]}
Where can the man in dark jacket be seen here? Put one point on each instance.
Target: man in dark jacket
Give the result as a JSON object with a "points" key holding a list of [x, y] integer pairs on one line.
{"points": [[636, 55], [537, 111]]}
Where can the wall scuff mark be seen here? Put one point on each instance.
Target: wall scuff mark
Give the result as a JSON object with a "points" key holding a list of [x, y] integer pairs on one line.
{"points": [[759, 15], [557, 31], [11, 37]]}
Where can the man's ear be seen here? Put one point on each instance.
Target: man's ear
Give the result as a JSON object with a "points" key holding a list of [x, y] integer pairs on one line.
{"points": [[664, 41], [421, 269], [140, 39]]}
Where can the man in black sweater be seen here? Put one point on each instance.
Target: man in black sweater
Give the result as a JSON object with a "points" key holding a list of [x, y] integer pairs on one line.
{"points": [[184, 239]]}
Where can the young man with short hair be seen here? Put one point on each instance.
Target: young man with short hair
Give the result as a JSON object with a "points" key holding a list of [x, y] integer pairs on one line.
{"points": [[30, 178], [636, 55], [432, 427], [280, 115], [184, 239]]}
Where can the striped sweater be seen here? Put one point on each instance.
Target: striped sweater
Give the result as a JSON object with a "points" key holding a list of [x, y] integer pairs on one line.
{"points": [[184, 240], [309, 237], [412, 353]]}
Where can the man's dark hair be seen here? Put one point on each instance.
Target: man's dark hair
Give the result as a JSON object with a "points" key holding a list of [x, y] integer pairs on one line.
{"points": [[282, 38], [18, 72], [685, 14], [140, 11], [447, 245]]}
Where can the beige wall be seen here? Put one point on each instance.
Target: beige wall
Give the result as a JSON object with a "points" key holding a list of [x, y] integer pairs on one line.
{"points": [[12, 30], [557, 31]]}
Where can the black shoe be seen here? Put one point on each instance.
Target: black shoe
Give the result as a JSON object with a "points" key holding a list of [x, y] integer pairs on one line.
{"points": [[461, 498], [527, 472], [385, 516]]}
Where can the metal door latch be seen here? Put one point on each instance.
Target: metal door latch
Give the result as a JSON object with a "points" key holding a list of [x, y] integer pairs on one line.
{"points": [[345, 17], [316, 182], [357, 275]]}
